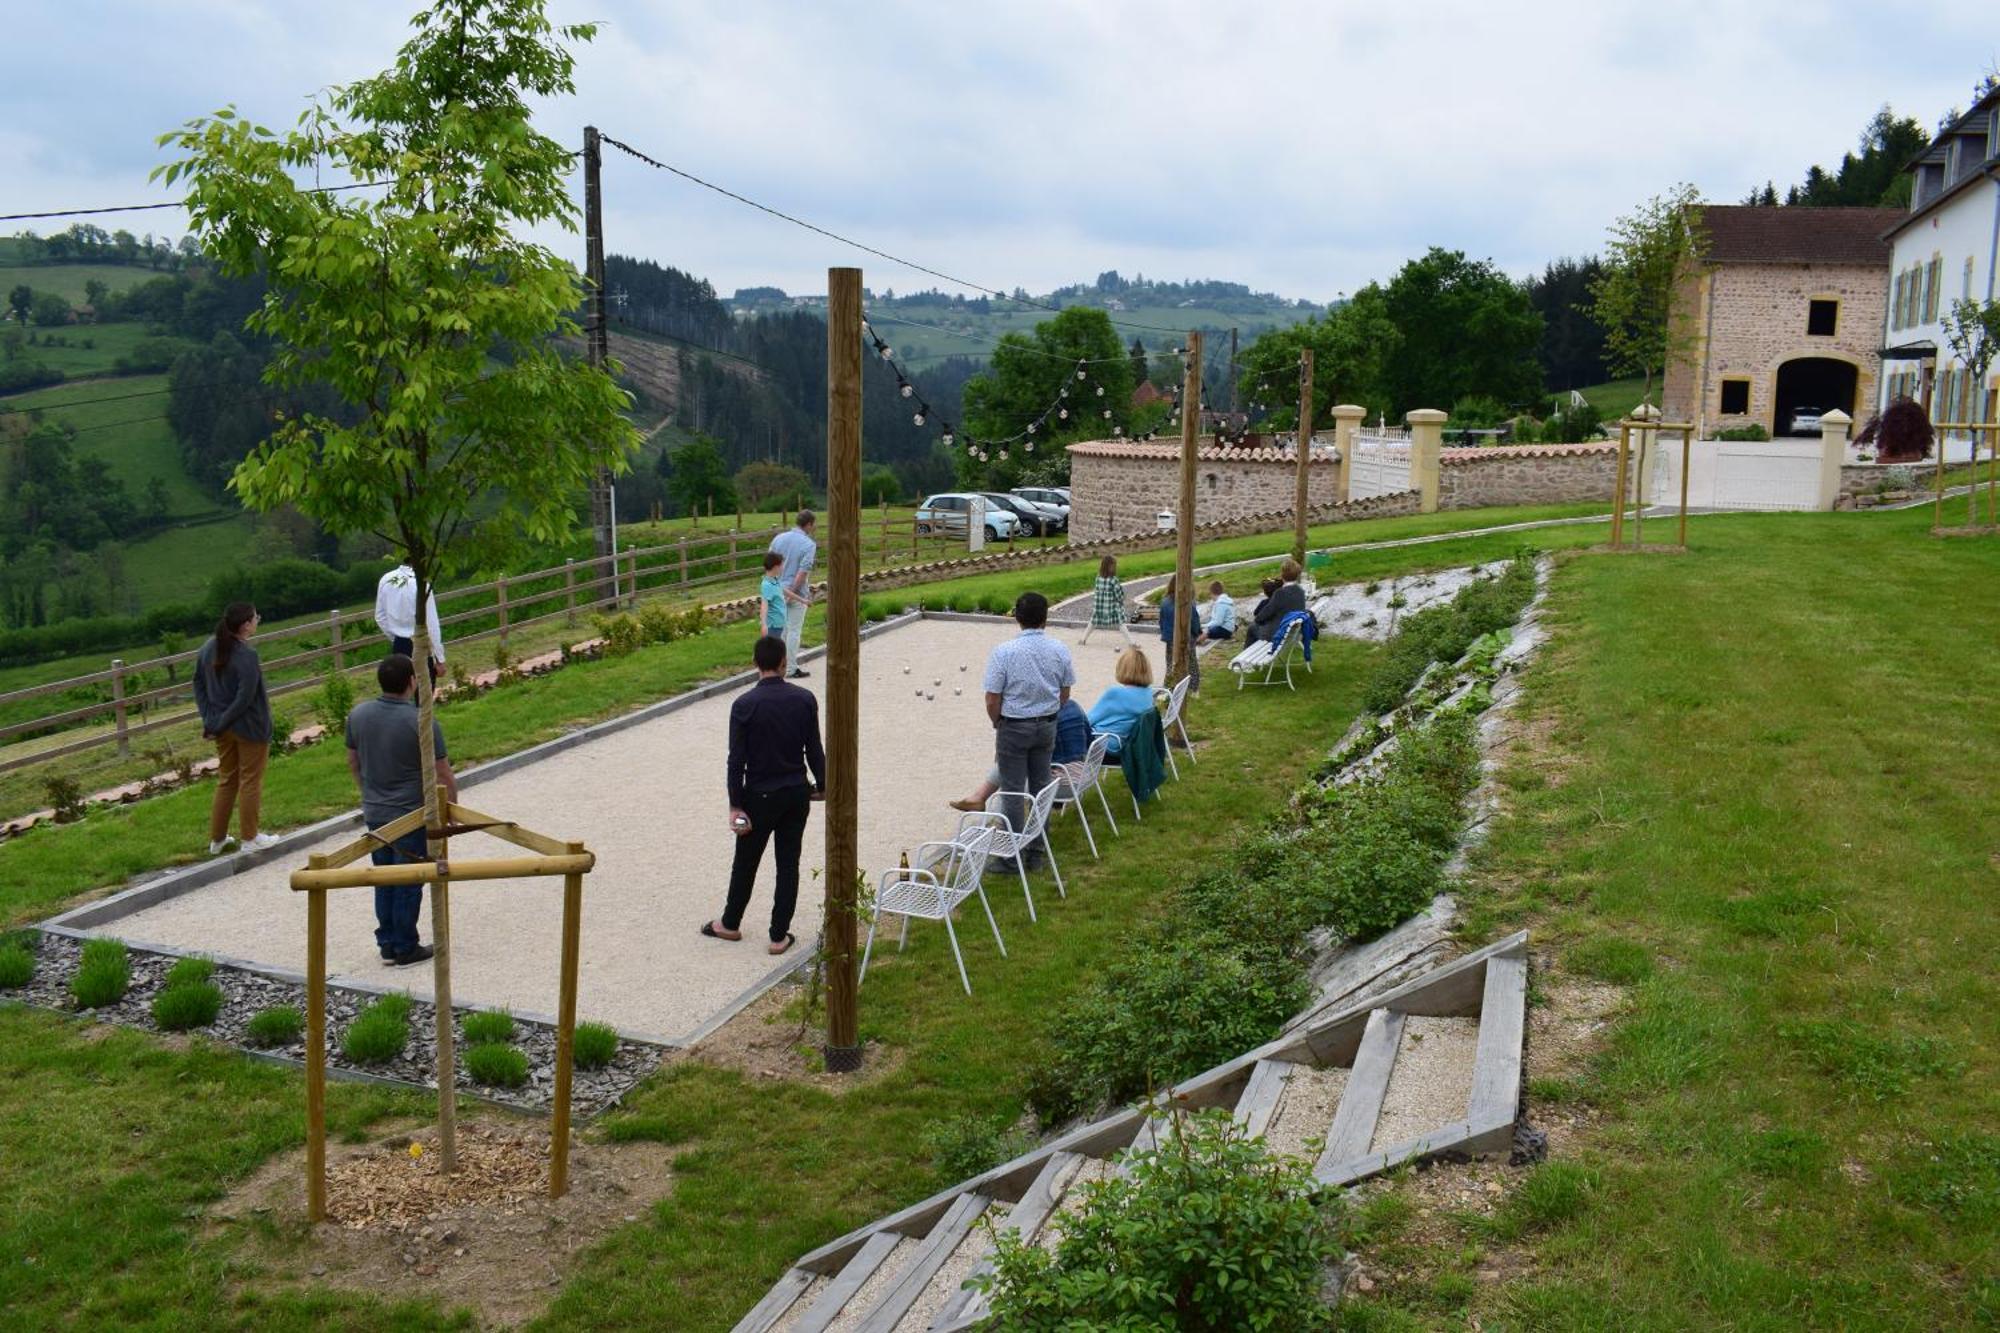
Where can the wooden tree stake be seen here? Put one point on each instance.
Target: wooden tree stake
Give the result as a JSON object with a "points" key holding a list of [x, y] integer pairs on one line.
{"points": [[843, 660]]}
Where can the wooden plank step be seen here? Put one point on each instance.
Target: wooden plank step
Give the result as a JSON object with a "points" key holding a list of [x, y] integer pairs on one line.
{"points": [[1361, 1103], [1027, 1217], [776, 1302], [847, 1282], [925, 1262], [1259, 1101], [1496, 1069]]}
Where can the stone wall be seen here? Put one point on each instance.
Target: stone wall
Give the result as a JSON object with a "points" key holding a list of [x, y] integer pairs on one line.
{"points": [[1870, 478], [1527, 474]]}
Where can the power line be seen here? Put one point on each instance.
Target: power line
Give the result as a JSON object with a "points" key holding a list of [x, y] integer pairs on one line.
{"points": [[141, 208], [911, 264]]}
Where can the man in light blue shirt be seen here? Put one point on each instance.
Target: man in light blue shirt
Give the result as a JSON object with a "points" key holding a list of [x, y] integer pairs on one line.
{"points": [[1028, 680], [799, 550]]}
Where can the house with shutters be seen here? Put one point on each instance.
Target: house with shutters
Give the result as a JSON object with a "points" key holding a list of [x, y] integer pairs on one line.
{"points": [[1781, 319], [1945, 247]]}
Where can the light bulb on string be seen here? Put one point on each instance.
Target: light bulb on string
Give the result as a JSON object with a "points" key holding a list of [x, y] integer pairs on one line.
{"points": [[1003, 455], [1029, 446], [1079, 372], [919, 418], [887, 351], [1064, 414], [1100, 391], [947, 439], [1107, 414], [907, 391]]}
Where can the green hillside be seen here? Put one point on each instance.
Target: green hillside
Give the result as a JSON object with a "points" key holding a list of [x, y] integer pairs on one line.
{"points": [[927, 333], [123, 422], [80, 351], [67, 280]]}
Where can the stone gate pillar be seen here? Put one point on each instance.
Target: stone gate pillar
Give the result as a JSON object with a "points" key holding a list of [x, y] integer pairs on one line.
{"points": [[1346, 421], [1833, 428], [1426, 447]]}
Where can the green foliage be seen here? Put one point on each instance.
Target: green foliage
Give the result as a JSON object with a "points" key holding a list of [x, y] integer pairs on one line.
{"points": [[17, 965], [766, 485], [1751, 432], [1466, 328], [1648, 253], [880, 485], [1352, 346], [1444, 633], [497, 1065], [65, 797], [1875, 177], [654, 624], [103, 974], [191, 1004], [966, 1145], [333, 700], [489, 1025], [1478, 411], [1972, 331], [593, 1045], [50, 310], [698, 476], [189, 972], [378, 1033], [1956, 1175], [280, 1025], [1207, 1232], [1026, 374]]}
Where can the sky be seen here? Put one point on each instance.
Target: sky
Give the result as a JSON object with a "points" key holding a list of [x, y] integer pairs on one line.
{"points": [[1303, 148]]}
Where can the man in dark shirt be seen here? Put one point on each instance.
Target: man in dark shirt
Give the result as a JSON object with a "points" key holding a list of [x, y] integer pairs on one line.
{"points": [[383, 756], [1288, 598], [773, 740]]}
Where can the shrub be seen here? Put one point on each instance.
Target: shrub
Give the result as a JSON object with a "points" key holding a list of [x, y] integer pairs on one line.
{"points": [[1904, 435], [378, 1033], [621, 634], [488, 1026], [333, 700], [65, 796], [593, 1045], [1444, 633], [1753, 431], [280, 1025], [1207, 1232], [102, 976], [193, 1004], [17, 966], [497, 1065], [966, 1145], [188, 972]]}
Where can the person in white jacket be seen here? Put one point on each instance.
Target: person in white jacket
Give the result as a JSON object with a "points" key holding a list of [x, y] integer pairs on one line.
{"points": [[396, 615]]}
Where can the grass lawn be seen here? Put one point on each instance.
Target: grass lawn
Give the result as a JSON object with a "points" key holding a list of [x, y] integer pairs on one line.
{"points": [[136, 451], [1615, 398], [67, 280], [1765, 808]]}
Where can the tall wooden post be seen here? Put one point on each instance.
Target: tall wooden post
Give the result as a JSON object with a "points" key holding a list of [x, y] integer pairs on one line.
{"points": [[1300, 496], [1184, 517], [1642, 488], [1618, 485], [434, 848], [572, 928], [316, 1050], [597, 335], [118, 706], [843, 660], [1687, 461]]}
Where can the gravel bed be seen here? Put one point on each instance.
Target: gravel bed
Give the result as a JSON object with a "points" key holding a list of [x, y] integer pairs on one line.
{"points": [[245, 994]]}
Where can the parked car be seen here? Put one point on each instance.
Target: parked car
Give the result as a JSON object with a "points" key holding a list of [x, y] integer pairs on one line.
{"points": [[1804, 421], [949, 512], [1048, 498], [1035, 520]]}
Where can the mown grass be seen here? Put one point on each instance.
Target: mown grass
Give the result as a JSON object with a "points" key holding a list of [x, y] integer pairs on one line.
{"points": [[1766, 811]]}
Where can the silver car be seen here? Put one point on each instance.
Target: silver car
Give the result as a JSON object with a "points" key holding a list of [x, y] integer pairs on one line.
{"points": [[950, 512]]}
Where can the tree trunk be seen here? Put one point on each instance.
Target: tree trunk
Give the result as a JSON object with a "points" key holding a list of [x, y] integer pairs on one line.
{"points": [[447, 1065]]}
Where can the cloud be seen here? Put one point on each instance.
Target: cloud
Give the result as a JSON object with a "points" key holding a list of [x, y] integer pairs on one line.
{"points": [[1302, 147]]}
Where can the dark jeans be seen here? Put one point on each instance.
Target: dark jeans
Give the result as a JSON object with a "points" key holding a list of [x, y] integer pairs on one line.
{"points": [[775, 813], [1214, 635], [1022, 747], [396, 906], [408, 648]]}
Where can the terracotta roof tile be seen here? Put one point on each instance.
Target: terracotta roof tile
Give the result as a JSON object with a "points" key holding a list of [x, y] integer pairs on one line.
{"points": [[1753, 234]]}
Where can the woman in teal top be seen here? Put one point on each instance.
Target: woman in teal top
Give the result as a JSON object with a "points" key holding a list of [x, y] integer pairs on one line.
{"points": [[1124, 703], [773, 594]]}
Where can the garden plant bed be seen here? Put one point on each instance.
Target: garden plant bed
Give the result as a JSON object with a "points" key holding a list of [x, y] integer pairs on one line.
{"points": [[246, 993]]}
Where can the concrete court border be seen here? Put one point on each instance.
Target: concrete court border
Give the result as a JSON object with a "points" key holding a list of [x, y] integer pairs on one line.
{"points": [[86, 920]]}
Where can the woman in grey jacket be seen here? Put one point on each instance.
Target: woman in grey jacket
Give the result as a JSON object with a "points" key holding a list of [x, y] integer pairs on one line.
{"points": [[236, 715]]}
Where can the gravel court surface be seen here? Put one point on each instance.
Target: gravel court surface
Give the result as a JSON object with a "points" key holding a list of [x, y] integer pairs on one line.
{"points": [[649, 802]]}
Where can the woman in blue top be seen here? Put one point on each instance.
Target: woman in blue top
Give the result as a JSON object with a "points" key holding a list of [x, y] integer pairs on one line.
{"points": [[1122, 704]]}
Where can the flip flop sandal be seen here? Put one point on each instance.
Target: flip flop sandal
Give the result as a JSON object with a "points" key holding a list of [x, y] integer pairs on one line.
{"points": [[786, 947], [708, 929]]}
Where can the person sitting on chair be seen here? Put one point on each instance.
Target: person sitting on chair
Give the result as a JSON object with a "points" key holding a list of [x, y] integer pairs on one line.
{"points": [[1073, 736], [1120, 705], [1288, 598]]}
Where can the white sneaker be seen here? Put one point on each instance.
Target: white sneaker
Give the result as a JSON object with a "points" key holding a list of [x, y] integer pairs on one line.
{"points": [[260, 842], [221, 845]]}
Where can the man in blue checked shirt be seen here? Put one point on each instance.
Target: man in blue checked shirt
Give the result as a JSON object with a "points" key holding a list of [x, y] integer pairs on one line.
{"points": [[1028, 680]]}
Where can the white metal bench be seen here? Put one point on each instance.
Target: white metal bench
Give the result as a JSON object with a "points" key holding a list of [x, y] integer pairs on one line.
{"points": [[1270, 656]]}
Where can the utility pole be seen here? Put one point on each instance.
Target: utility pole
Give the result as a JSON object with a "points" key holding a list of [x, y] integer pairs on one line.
{"points": [[843, 661], [597, 336], [1184, 518], [1299, 494]]}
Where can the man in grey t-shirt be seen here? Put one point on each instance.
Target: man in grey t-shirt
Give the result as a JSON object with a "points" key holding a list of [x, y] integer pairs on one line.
{"points": [[387, 763]]}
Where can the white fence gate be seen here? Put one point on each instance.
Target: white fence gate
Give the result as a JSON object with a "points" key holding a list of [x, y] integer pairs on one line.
{"points": [[1381, 464], [1738, 474]]}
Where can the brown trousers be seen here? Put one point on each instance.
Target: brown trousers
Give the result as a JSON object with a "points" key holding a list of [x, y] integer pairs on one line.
{"points": [[239, 782]]}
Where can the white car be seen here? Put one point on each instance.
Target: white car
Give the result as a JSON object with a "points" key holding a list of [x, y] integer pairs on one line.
{"points": [[1805, 421], [949, 512], [1047, 499]]}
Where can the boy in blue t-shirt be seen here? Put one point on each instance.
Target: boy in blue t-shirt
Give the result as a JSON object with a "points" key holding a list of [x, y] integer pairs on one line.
{"points": [[773, 594]]}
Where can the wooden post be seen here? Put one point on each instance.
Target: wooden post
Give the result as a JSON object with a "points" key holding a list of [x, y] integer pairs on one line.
{"points": [[569, 590], [1184, 517], [565, 1029], [732, 552], [596, 329], [1649, 434], [333, 632], [843, 660], [884, 543], [1618, 486], [1687, 461], [118, 705], [501, 602], [684, 561], [316, 1049], [632, 602], [435, 849], [1300, 498]]}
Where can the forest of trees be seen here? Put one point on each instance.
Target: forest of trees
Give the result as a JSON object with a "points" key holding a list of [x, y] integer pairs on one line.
{"points": [[1870, 177]]}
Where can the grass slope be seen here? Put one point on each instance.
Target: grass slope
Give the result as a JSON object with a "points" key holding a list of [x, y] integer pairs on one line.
{"points": [[123, 423], [67, 280]]}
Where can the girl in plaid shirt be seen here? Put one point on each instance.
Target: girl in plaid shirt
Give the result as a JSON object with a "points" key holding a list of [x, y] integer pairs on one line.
{"points": [[1107, 601]]}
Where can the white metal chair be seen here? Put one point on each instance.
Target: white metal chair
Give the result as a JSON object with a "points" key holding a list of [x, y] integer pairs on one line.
{"points": [[946, 874], [1171, 721], [1083, 775], [1010, 843]]}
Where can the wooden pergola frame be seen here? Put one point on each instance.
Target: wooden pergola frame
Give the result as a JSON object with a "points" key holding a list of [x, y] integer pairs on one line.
{"points": [[336, 870]]}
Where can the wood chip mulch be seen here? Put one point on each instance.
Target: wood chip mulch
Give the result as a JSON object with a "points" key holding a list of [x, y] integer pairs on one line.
{"points": [[401, 1184]]}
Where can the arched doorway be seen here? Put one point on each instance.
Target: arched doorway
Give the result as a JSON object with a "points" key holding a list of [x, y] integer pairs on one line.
{"points": [[1811, 383]]}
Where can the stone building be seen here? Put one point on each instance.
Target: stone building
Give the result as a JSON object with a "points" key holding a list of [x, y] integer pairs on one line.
{"points": [[1784, 315]]}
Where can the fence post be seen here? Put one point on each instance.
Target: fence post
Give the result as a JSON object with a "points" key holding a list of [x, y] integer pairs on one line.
{"points": [[1346, 424], [632, 603], [684, 560], [502, 586], [1426, 443], [118, 705], [569, 590], [1832, 453]]}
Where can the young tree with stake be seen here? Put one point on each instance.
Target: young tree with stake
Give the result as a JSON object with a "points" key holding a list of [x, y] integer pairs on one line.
{"points": [[1651, 251], [399, 301]]}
